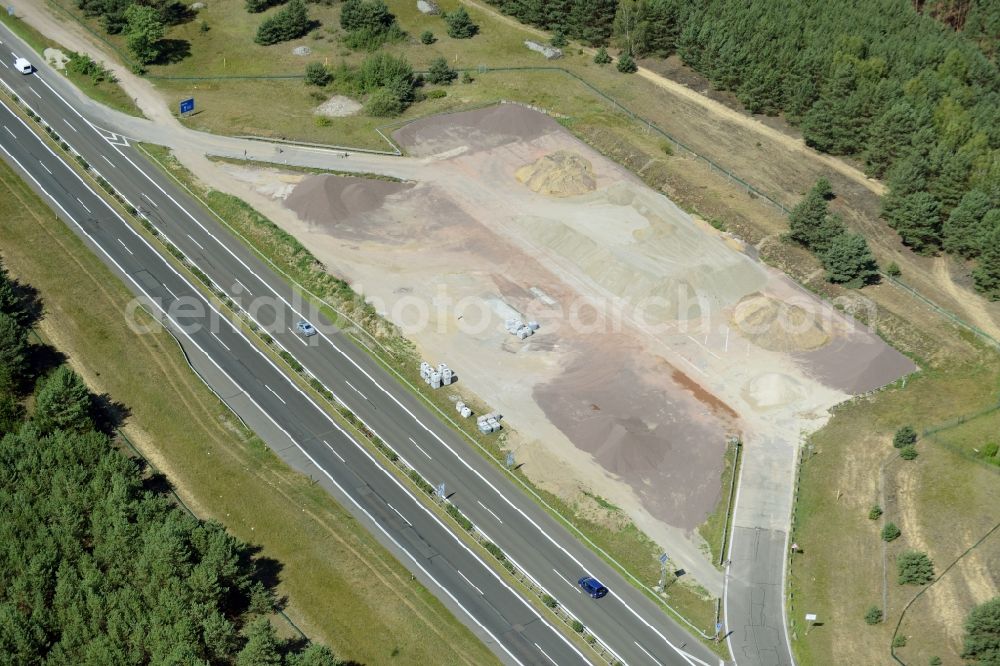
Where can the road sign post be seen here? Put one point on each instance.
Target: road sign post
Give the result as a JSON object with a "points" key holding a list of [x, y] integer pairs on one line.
{"points": [[810, 621], [664, 558], [510, 459], [187, 106], [440, 490]]}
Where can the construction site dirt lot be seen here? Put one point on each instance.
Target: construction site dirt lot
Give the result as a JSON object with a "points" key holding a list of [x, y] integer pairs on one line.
{"points": [[659, 336]]}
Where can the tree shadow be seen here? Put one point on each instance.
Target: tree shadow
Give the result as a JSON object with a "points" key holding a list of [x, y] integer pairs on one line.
{"points": [[108, 414], [172, 51], [42, 359], [176, 13]]}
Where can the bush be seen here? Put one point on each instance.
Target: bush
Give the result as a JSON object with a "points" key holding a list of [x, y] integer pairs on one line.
{"points": [[982, 633], [317, 74], [908, 452], [381, 69], [990, 450], [257, 6], [667, 147], [458, 516], [437, 93], [905, 436], [467, 78], [549, 601], [873, 615], [892, 270], [440, 73], [427, 37], [460, 25], [914, 568], [899, 641], [289, 23], [935, 661], [81, 63], [559, 39], [578, 626], [602, 57], [890, 532], [875, 512], [626, 64]]}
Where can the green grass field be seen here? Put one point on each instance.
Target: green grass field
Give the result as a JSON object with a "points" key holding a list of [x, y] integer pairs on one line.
{"points": [[344, 589], [939, 501]]}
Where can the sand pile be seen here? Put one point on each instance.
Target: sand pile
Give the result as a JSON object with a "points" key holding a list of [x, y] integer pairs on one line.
{"points": [[326, 199], [773, 390], [560, 174], [338, 106], [778, 326]]}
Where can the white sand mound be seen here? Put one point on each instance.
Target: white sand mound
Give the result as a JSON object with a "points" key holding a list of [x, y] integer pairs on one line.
{"points": [[326, 199], [338, 106], [777, 326], [773, 389], [55, 57], [560, 174]]}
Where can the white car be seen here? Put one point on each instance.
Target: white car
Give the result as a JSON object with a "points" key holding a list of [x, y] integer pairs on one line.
{"points": [[22, 65]]}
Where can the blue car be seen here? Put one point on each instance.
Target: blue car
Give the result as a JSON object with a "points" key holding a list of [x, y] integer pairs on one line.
{"points": [[593, 587]]}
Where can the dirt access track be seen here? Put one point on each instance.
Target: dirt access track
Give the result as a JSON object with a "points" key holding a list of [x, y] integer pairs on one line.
{"points": [[659, 336]]}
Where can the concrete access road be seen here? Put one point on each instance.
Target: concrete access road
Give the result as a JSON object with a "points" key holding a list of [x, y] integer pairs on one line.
{"points": [[632, 626]]}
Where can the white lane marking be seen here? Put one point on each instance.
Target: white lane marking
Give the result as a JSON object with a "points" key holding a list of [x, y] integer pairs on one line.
{"points": [[220, 341], [655, 660], [124, 246], [4, 64], [50, 172], [70, 126], [9, 132], [363, 396], [566, 580], [147, 198], [400, 515], [78, 199], [491, 512], [175, 296], [469, 582], [34, 91], [420, 448], [334, 451], [275, 394], [70, 106], [546, 655], [107, 160], [301, 339], [243, 286], [192, 239], [268, 416]]}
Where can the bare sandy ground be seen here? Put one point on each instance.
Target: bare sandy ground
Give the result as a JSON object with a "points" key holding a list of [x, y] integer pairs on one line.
{"points": [[645, 360]]}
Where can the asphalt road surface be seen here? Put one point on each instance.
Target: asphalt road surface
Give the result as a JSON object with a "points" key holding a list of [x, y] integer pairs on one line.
{"points": [[633, 627]]}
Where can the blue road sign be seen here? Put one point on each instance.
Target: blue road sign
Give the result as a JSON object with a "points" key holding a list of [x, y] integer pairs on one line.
{"points": [[718, 627], [510, 459], [664, 558], [187, 105], [440, 490]]}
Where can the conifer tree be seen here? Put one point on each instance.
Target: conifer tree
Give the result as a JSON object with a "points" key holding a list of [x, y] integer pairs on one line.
{"points": [[962, 233], [987, 272]]}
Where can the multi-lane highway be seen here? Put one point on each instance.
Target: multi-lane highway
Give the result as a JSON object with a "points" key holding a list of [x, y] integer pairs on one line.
{"points": [[631, 625]]}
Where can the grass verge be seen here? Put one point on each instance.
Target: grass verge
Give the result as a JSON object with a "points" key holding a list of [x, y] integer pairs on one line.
{"points": [[344, 588], [715, 530], [108, 93], [623, 544], [938, 501]]}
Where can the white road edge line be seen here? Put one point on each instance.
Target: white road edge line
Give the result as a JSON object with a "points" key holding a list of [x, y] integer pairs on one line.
{"points": [[124, 245], [488, 509], [9, 132], [421, 449], [470, 582]]}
